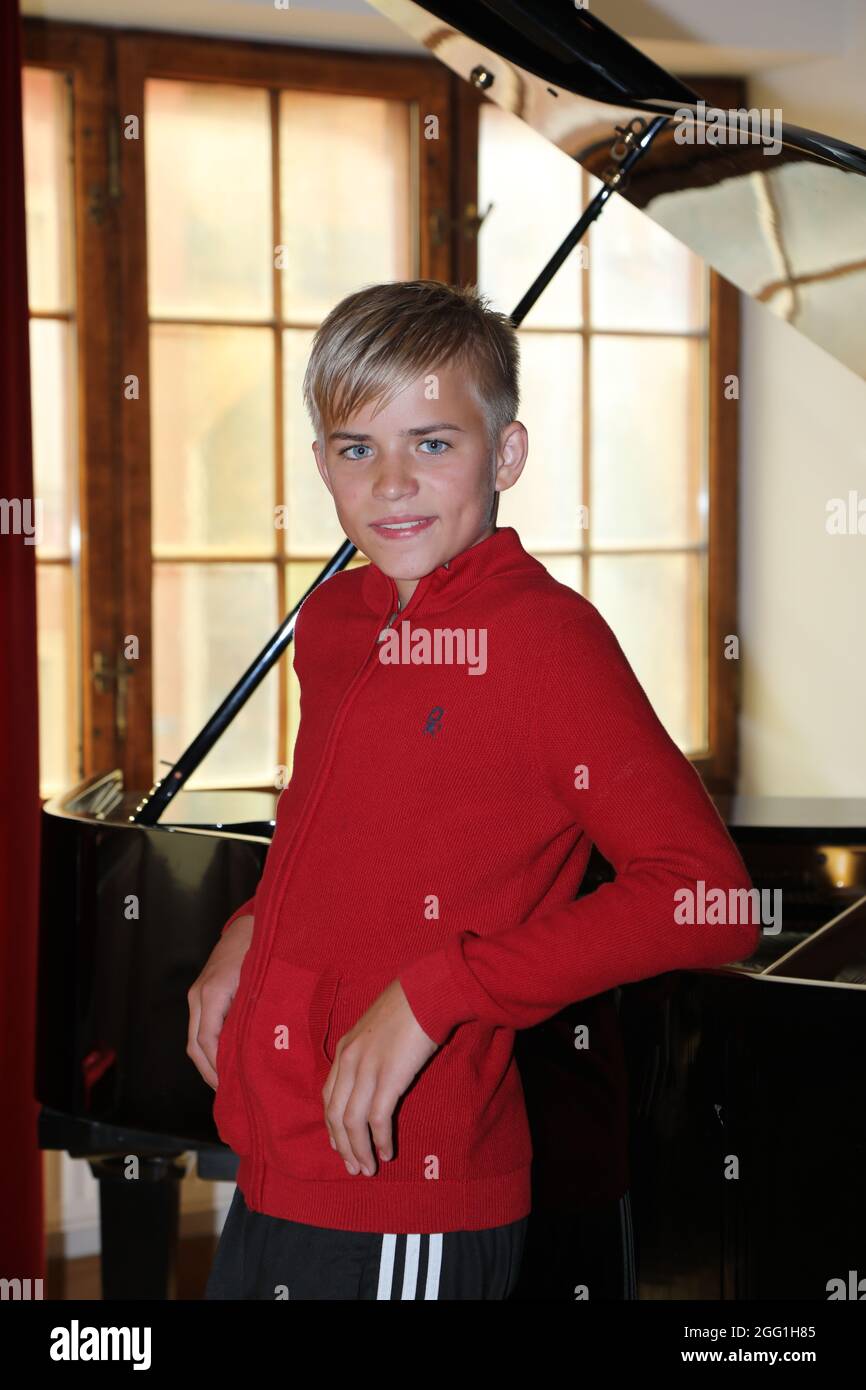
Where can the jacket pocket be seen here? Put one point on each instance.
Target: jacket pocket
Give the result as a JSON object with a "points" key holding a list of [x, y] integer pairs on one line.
{"points": [[350, 1000], [229, 1110], [285, 1068]]}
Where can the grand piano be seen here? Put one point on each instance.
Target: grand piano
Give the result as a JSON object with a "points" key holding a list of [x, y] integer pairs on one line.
{"points": [[728, 1103]]}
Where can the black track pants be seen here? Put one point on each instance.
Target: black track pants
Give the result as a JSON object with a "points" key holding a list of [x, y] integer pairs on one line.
{"points": [[266, 1257]]}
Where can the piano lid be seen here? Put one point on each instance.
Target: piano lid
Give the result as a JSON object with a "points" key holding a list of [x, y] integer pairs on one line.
{"points": [[783, 217]]}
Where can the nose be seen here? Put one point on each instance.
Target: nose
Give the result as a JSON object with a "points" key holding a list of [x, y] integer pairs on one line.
{"points": [[394, 478]]}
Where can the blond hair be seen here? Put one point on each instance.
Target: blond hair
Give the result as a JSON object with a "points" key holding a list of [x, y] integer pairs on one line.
{"points": [[379, 339]]}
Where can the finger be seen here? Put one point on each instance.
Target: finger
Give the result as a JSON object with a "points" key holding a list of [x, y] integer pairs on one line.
{"points": [[327, 1091], [356, 1121], [208, 1041], [203, 1065], [193, 1048], [330, 1083], [194, 1000], [340, 1096], [330, 1080], [381, 1118], [214, 1008]]}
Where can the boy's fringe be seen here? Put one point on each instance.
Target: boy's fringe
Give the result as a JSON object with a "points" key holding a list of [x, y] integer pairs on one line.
{"points": [[380, 338]]}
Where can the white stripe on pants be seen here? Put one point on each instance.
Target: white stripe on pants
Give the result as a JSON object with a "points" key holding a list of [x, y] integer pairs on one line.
{"points": [[411, 1266]]}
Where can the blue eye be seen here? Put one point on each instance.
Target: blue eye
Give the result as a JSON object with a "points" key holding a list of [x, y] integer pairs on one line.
{"points": [[349, 451]]}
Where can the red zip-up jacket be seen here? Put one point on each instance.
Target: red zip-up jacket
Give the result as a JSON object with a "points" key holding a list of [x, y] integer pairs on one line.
{"points": [[436, 830]]}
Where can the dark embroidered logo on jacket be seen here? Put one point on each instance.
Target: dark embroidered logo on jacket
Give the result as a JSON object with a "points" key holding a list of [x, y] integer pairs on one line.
{"points": [[434, 719]]}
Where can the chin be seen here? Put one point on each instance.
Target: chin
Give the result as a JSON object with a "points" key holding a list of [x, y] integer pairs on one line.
{"points": [[412, 563], [415, 568]]}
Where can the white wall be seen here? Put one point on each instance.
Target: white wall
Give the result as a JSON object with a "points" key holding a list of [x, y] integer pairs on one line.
{"points": [[313, 23], [827, 92], [802, 591], [769, 24]]}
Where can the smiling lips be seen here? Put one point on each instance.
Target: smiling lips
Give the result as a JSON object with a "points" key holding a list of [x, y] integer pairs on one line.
{"points": [[402, 527]]}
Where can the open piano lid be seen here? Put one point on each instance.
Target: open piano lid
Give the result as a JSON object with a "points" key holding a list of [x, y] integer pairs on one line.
{"points": [[782, 218]]}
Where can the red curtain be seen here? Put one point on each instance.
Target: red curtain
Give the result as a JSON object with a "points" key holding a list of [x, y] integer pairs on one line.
{"points": [[21, 1231]]}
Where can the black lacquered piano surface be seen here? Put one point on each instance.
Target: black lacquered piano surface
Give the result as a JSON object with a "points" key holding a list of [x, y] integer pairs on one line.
{"points": [[756, 1068]]}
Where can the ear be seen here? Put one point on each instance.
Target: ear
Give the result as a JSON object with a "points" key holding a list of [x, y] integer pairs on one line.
{"points": [[511, 455]]}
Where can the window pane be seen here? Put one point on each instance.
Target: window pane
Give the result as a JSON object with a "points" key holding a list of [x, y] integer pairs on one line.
{"points": [[52, 394], [568, 569], [656, 605], [543, 504], [209, 229], [313, 527], [48, 190], [520, 172], [59, 683], [346, 197], [48, 169], [647, 451], [300, 575], [640, 275], [212, 440], [209, 623]]}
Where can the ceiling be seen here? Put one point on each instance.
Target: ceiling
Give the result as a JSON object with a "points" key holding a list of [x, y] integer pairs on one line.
{"points": [[681, 36]]}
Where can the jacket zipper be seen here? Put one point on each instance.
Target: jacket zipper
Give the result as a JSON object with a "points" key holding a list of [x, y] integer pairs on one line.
{"points": [[358, 680]]}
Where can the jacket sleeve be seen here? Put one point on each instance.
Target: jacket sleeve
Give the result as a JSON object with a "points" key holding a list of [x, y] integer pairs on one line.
{"points": [[600, 751]]}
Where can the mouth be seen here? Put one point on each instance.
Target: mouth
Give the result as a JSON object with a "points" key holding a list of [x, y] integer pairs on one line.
{"points": [[401, 527]]}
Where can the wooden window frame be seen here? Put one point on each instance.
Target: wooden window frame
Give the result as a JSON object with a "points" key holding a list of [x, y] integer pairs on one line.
{"points": [[84, 55]]}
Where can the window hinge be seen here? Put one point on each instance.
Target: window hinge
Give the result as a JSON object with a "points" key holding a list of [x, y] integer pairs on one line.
{"points": [[108, 676], [470, 223]]}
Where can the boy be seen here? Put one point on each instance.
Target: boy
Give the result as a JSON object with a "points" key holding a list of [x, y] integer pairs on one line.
{"points": [[470, 727]]}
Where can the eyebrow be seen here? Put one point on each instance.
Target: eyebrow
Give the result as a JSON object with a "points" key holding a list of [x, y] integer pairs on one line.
{"points": [[416, 431]]}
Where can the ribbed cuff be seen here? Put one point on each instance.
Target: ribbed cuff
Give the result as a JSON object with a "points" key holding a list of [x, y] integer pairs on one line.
{"points": [[434, 994]]}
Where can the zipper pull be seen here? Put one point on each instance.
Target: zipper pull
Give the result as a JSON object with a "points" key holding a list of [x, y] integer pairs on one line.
{"points": [[396, 612]]}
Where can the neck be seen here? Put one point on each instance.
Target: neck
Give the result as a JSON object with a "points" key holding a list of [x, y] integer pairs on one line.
{"points": [[407, 587]]}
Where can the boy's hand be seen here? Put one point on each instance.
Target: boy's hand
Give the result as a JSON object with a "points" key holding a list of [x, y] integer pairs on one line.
{"points": [[374, 1064], [211, 996]]}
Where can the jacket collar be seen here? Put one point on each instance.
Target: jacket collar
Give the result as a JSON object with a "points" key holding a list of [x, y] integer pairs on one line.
{"points": [[446, 585]]}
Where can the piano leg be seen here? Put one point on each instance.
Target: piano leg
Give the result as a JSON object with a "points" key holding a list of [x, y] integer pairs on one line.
{"points": [[139, 1221], [571, 1255]]}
